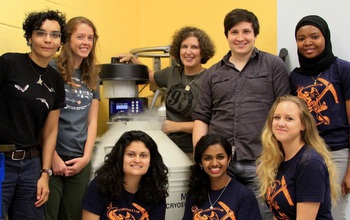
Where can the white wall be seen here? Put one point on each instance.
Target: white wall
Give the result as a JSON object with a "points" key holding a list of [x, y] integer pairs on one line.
{"points": [[335, 12]]}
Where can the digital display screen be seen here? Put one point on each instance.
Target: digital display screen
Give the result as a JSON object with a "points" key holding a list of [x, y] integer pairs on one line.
{"points": [[127, 105], [121, 107]]}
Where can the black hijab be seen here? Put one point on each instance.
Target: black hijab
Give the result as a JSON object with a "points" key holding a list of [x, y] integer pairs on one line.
{"points": [[324, 60]]}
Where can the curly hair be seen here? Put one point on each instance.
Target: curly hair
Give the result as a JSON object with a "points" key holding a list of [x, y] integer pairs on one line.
{"points": [[272, 153], [199, 182], [239, 15], [34, 20], [206, 45], [88, 67], [153, 185]]}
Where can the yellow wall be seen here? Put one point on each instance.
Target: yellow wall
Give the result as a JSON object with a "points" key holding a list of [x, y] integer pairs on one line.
{"points": [[124, 25]]}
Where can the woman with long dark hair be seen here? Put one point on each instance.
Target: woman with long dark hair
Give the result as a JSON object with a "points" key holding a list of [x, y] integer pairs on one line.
{"points": [[132, 183], [212, 193]]}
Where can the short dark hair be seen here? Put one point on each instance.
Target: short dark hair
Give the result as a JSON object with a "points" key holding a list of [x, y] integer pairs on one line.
{"points": [[206, 45], [239, 15], [34, 20]]}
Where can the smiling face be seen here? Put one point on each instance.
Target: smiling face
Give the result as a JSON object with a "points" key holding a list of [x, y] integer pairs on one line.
{"points": [[286, 123], [81, 42], [44, 46], [137, 159], [241, 39], [215, 162], [190, 53], [310, 41]]}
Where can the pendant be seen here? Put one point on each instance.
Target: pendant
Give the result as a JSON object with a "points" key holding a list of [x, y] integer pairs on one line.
{"points": [[40, 82], [187, 88], [315, 82], [211, 207]]}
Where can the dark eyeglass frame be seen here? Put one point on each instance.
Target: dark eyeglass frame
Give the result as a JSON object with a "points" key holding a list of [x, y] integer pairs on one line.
{"points": [[42, 34]]}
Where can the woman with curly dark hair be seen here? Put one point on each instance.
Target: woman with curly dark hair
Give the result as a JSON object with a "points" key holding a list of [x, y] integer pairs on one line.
{"points": [[191, 47], [132, 183], [31, 95], [212, 193]]}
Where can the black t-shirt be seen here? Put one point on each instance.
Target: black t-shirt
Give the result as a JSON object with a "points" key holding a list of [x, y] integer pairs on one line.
{"points": [[128, 208], [24, 104], [236, 202], [304, 178]]}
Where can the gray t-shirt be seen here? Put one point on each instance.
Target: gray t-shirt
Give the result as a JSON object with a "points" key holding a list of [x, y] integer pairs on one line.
{"points": [[180, 103], [73, 122]]}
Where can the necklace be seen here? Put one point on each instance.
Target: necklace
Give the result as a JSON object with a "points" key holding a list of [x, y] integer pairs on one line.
{"points": [[217, 199], [315, 80], [188, 87], [40, 82]]}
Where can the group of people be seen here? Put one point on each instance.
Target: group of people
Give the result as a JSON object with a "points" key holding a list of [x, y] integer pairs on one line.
{"points": [[290, 129], [265, 144]]}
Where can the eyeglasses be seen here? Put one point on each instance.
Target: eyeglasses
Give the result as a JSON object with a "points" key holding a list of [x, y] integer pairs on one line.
{"points": [[53, 35]]}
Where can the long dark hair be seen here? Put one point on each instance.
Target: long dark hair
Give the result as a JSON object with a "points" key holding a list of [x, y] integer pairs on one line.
{"points": [[153, 185], [199, 182]]}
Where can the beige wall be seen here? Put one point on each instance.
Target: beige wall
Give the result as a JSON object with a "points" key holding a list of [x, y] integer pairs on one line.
{"points": [[124, 25]]}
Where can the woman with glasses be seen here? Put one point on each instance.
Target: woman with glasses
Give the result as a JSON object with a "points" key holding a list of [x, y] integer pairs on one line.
{"points": [[31, 95], [78, 120]]}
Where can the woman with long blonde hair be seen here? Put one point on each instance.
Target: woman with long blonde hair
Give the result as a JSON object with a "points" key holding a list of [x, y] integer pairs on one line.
{"points": [[297, 175]]}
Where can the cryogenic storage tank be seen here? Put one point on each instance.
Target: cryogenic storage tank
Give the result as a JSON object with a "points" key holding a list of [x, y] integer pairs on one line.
{"points": [[175, 159]]}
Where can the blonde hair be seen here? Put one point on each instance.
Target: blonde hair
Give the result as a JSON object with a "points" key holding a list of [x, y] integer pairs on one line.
{"points": [[272, 153], [88, 67]]}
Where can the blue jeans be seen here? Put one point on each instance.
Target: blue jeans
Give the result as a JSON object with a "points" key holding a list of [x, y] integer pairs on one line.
{"points": [[19, 189], [245, 172], [340, 158]]}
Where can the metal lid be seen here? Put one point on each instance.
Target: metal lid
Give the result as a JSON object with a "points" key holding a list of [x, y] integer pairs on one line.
{"points": [[124, 71]]}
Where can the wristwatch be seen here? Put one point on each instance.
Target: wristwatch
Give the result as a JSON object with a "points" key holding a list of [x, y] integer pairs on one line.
{"points": [[48, 171]]}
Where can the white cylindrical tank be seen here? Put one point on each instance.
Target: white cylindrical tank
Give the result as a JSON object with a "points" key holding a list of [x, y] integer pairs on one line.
{"points": [[175, 159], [119, 89]]}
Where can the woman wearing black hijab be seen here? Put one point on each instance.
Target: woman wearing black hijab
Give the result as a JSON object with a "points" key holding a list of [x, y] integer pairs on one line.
{"points": [[323, 81]]}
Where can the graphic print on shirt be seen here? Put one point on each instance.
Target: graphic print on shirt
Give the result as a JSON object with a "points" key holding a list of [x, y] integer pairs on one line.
{"points": [[77, 97], [49, 88], [25, 88], [278, 187], [179, 100], [213, 213], [43, 101], [22, 89], [313, 97], [115, 213]]}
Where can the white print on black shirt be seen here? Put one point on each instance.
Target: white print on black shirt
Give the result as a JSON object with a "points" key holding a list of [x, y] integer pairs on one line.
{"points": [[22, 89]]}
